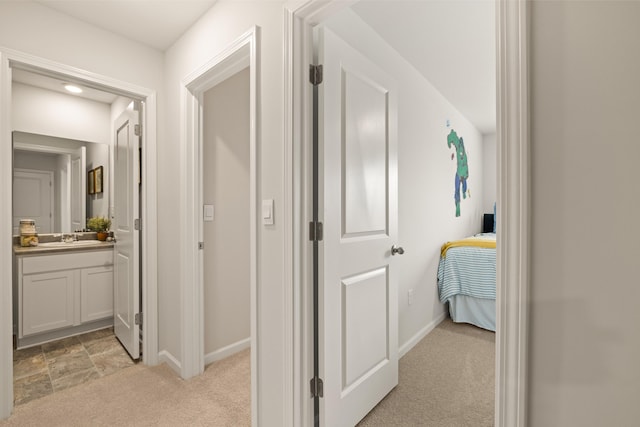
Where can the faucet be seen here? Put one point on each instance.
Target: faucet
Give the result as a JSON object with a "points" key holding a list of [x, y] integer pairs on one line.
{"points": [[69, 238]]}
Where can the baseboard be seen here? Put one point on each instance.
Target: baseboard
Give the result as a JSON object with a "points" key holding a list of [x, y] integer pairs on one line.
{"points": [[45, 337], [166, 357], [227, 351], [406, 347]]}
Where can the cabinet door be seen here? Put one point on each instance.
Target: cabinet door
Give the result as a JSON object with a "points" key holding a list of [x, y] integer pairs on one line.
{"points": [[47, 301], [96, 293]]}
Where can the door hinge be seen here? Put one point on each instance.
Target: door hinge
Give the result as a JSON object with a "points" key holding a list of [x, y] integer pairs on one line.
{"points": [[137, 224], [200, 245], [137, 130], [315, 74], [317, 387], [138, 319], [315, 231]]}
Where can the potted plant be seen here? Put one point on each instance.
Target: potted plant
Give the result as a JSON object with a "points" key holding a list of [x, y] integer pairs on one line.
{"points": [[100, 225]]}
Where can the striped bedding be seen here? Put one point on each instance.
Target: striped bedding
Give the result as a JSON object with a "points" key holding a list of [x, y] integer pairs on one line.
{"points": [[468, 271]]}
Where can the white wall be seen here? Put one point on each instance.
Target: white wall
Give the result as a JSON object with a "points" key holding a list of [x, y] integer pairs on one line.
{"points": [[426, 177], [218, 28], [584, 344], [38, 30], [46, 112], [490, 168], [226, 186]]}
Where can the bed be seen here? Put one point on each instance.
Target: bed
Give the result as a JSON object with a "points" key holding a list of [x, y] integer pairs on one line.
{"points": [[467, 280]]}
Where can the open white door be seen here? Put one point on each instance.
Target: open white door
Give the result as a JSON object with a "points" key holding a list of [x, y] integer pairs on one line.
{"points": [[126, 297], [358, 328], [78, 190]]}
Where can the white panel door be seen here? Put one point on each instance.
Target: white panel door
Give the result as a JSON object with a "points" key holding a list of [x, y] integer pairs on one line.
{"points": [[358, 197], [33, 199], [125, 263], [78, 190]]}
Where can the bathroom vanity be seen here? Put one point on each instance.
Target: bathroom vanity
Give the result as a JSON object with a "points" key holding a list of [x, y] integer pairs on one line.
{"points": [[62, 289]]}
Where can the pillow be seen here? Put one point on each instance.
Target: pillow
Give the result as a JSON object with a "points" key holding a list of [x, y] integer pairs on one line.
{"points": [[494, 217]]}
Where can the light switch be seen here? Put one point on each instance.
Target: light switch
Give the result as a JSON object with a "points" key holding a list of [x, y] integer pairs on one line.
{"points": [[267, 212], [208, 213]]}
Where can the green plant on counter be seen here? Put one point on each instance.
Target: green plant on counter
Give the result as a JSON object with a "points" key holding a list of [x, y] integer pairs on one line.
{"points": [[99, 224]]}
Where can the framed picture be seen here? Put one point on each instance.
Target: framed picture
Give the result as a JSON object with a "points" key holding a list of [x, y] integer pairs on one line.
{"points": [[98, 179], [91, 182]]}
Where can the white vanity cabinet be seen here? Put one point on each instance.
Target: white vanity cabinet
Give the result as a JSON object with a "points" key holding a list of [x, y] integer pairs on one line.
{"points": [[63, 294]]}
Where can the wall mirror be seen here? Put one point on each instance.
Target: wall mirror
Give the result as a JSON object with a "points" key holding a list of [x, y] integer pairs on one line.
{"points": [[50, 182]]}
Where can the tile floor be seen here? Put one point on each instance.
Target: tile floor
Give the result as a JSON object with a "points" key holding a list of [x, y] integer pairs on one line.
{"points": [[41, 370]]}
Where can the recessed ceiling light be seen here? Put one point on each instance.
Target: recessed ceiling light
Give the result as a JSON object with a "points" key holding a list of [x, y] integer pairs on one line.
{"points": [[72, 88]]}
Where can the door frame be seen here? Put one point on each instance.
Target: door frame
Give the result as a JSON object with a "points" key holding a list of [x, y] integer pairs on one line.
{"points": [[238, 55], [148, 263], [513, 199]]}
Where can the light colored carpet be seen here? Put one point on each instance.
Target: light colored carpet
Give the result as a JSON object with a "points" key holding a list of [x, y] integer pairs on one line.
{"points": [[143, 396], [446, 380]]}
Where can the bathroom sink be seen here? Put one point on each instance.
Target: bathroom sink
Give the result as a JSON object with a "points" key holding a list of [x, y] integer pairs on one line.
{"points": [[75, 243]]}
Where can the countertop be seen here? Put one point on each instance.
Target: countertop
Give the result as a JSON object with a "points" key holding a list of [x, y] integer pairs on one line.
{"points": [[87, 245]]}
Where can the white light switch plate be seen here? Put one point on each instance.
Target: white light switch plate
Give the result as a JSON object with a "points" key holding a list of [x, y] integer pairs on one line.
{"points": [[208, 213], [267, 212]]}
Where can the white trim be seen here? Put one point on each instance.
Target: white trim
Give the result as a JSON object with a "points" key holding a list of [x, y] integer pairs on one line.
{"points": [[168, 358], [11, 58], [149, 214], [238, 55], [192, 346], [513, 196], [227, 351], [297, 263], [43, 148], [6, 255], [414, 340], [292, 247]]}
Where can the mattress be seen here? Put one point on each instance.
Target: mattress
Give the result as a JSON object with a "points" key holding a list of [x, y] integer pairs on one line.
{"points": [[468, 270]]}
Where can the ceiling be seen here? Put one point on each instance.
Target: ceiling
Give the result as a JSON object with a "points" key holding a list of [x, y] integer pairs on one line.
{"points": [[450, 42], [38, 80], [155, 23]]}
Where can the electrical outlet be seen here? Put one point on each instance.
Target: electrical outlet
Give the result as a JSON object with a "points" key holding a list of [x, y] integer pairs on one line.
{"points": [[410, 296]]}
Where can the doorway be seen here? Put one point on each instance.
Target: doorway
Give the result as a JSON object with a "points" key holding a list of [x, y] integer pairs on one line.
{"points": [[511, 196], [237, 62], [71, 336], [226, 217], [15, 61]]}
